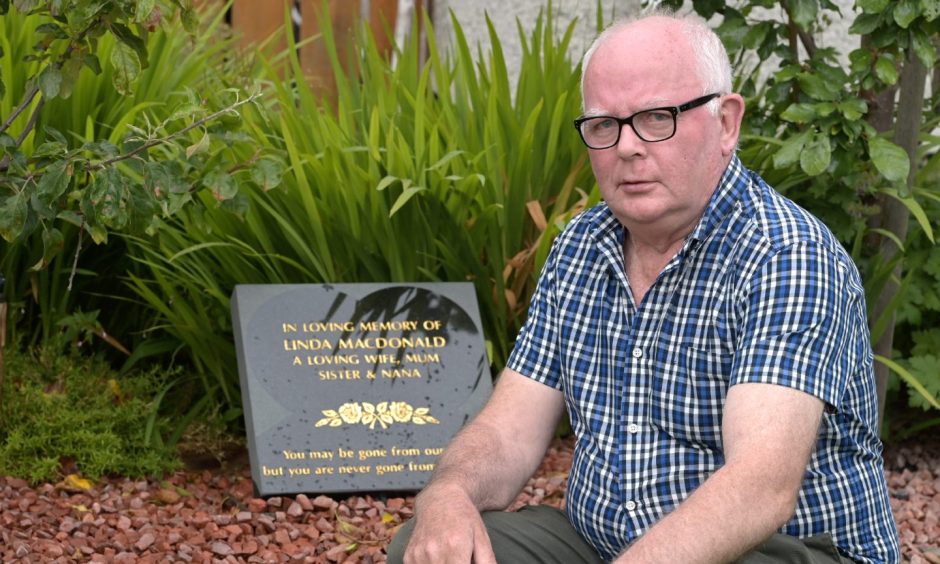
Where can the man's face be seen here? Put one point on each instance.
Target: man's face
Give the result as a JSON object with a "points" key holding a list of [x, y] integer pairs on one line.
{"points": [[660, 187]]}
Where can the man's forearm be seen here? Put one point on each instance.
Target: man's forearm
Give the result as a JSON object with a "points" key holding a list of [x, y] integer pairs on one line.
{"points": [[477, 464], [729, 515], [493, 456]]}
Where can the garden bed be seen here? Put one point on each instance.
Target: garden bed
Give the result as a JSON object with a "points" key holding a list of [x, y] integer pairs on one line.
{"points": [[211, 516]]}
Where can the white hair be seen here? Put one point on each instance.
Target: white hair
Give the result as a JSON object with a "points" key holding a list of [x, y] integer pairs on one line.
{"points": [[711, 58]]}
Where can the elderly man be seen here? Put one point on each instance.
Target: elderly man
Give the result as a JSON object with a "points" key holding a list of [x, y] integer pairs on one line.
{"points": [[707, 336]]}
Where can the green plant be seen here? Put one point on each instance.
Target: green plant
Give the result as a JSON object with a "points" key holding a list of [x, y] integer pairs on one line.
{"points": [[851, 143], [113, 113], [72, 414], [420, 172]]}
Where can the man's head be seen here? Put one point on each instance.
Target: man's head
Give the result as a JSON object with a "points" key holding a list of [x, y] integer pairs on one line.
{"points": [[660, 187]]}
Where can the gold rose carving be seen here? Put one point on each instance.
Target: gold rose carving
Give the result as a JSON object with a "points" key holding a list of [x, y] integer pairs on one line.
{"points": [[384, 413]]}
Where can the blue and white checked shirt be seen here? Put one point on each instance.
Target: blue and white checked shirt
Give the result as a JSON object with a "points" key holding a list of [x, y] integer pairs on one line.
{"points": [[761, 291]]}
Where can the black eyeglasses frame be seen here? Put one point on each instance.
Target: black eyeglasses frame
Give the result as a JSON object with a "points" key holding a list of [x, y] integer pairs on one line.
{"points": [[674, 110]]}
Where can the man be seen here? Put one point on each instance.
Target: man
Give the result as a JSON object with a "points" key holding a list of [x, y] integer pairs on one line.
{"points": [[708, 339]]}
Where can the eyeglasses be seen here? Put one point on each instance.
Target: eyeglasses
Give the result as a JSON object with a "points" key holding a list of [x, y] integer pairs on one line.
{"points": [[653, 125]]}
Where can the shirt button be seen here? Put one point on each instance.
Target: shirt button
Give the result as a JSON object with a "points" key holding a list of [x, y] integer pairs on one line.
{"points": [[630, 505], [637, 352], [633, 428]]}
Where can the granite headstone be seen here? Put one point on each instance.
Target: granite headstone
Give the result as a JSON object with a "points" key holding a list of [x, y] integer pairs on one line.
{"points": [[355, 387]]}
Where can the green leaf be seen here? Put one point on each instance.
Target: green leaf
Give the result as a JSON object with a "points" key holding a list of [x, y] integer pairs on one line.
{"points": [[923, 48], [52, 244], [789, 153], [853, 108], [931, 9], [815, 157], [910, 380], [144, 8], [916, 210], [49, 81], [756, 34], [886, 69], [13, 215], [890, 160], [54, 183], [267, 173], [799, 113], [404, 197], [870, 6], [803, 12], [905, 12], [386, 182], [815, 87], [126, 67], [70, 71], [866, 23], [128, 38], [221, 184], [92, 62], [198, 147], [49, 149]]}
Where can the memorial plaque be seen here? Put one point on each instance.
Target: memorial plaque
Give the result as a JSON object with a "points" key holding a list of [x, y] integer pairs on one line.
{"points": [[355, 387]]}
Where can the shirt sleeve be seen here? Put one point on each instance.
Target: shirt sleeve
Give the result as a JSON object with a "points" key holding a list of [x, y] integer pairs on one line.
{"points": [[535, 353], [803, 323]]}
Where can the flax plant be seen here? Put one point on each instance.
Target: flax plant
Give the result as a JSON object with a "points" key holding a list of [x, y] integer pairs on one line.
{"points": [[413, 172]]}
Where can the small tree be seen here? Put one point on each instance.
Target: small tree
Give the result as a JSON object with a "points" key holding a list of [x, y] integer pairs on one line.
{"points": [[852, 145], [62, 187]]}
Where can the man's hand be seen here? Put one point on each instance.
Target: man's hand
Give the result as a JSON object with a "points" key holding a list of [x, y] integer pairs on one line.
{"points": [[482, 469], [449, 530]]}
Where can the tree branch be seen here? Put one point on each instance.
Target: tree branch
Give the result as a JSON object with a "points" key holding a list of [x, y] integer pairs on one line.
{"points": [[154, 142], [5, 162], [21, 108]]}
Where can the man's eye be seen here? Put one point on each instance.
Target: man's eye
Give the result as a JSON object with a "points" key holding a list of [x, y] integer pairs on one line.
{"points": [[602, 124], [656, 117]]}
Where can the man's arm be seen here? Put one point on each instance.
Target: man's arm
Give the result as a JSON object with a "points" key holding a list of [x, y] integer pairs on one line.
{"points": [[484, 467], [769, 433]]}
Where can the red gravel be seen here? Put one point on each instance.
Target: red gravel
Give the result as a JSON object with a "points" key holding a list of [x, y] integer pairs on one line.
{"points": [[211, 516]]}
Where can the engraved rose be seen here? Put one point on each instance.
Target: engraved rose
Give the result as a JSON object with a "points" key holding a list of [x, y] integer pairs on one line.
{"points": [[401, 411], [350, 412]]}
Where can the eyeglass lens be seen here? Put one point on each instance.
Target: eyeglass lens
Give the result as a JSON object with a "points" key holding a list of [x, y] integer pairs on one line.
{"points": [[652, 125]]}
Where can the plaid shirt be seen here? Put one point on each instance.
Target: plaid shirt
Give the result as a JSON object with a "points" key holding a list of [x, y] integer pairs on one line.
{"points": [[761, 291]]}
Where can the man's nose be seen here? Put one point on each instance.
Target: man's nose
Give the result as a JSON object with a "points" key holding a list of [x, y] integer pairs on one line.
{"points": [[629, 143]]}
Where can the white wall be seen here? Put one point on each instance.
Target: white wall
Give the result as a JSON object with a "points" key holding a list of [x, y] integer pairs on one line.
{"points": [[504, 14]]}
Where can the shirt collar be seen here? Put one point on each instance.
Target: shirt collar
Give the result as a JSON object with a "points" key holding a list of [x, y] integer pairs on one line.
{"points": [[728, 193]]}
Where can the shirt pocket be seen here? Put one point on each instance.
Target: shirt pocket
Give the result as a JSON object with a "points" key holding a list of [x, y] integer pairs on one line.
{"points": [[687, 395]]}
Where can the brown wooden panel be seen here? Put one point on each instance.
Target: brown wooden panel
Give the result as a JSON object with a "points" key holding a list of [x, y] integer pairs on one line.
{"points": [[382, 17], [257, 20], [313, 55]]}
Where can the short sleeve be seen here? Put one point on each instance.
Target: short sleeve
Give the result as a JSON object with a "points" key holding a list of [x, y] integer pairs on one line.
{"points": [[535, 353], [800, 323]]}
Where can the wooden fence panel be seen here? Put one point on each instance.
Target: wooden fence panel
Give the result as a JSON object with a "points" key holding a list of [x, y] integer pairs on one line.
{"points": [[257, 20]]}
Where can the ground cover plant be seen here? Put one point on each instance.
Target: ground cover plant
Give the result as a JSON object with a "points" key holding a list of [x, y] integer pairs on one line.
{"points": [[71, 415]]}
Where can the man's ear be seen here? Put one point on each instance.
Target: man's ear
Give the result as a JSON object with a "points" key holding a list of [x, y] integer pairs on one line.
{"points": [[731, 113]]}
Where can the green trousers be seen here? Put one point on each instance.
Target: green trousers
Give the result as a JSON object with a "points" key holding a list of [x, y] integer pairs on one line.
{"points": [[543, 534]]}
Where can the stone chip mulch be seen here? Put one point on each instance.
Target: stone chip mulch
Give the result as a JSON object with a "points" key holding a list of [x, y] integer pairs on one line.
{"points": [[212, 516]]}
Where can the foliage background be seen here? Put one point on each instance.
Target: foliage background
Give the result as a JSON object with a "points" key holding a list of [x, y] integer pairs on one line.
{"points": [[421, 170]]}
